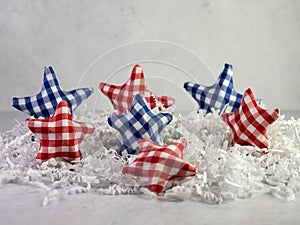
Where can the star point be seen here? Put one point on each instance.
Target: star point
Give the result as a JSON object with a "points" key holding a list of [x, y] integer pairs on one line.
{"points": [[250, 122], [45, 102], [121, 96], [140, 122], [160, 164], [60, 136]]}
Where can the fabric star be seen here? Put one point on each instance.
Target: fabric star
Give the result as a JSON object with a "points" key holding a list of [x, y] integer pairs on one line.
{"points": [[140, 122], [250, 122], [45, 102], [59, 135], [219, 95], [160, 164], [121, 96]]}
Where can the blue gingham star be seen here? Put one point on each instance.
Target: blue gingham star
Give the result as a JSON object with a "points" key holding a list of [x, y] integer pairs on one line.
{"points": [[45, 102], [217, 96], [139, 123]]}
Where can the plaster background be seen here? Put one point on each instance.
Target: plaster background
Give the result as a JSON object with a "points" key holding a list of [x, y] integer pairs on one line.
{"points": [[260, 39]]}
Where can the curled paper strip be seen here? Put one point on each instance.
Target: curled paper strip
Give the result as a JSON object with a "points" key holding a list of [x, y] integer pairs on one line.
{"points": [[224, 172]]}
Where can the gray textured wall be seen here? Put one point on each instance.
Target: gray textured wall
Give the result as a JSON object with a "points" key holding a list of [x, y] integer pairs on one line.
{"points": [[260, 38]]}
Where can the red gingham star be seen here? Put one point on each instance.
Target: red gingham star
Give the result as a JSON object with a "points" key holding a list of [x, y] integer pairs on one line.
{"points": [[249, 123], [159, 164], [59, 135], [121, 96]]}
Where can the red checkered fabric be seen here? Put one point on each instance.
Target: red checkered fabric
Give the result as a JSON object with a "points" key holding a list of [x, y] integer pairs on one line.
{"points": [[121, 96], [159, 164], [59, 135], [249, 123]]}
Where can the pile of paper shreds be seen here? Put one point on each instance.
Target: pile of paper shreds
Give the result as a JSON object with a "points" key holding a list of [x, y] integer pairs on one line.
{"points": [[224, 171]]}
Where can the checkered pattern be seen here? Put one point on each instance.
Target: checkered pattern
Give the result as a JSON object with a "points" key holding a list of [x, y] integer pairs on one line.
{"points": [[250, 122], [121, 96], [140, 122], [59, 135], [45, 102], [160, 164], [217, 96]]}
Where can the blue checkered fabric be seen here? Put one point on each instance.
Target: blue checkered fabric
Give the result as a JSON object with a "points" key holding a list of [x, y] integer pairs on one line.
{"points": [[43, 104], [139, 123], [217, 96]]}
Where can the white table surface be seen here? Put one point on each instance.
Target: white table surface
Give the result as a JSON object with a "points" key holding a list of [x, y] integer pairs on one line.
{"points": [[23, 205]]}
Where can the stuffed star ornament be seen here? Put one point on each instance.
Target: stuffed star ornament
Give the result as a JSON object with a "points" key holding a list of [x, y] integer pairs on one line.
{"points": [[121, 96], [160, 164], [60, 136], [140, 122], [250, 122], [219, 96], [45, 102]]}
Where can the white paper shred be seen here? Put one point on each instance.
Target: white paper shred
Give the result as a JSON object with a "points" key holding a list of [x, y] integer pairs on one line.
{"points": [[224, 171]]}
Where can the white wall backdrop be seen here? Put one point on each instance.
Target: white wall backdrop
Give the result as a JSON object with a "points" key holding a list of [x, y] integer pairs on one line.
{"points": [[260, 38]]}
